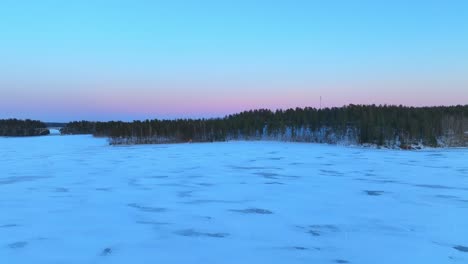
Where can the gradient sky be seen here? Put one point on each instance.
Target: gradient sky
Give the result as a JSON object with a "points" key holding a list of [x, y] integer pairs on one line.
{"points": [[109, 59]]}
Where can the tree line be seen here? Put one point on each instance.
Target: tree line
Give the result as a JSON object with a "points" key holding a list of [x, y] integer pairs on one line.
{"points": [[22, 128], [383, 125]]}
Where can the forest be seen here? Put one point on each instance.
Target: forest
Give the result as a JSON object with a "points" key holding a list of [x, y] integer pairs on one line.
{"points": [[22, 128], [382, 125]]}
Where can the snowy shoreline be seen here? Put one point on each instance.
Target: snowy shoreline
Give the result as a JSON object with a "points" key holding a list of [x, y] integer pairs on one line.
{"points": [[413, 147], [352, 145]]}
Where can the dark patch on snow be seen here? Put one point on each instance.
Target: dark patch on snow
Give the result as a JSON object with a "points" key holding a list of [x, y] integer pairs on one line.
{"points": [[194, 176], [299, 248], [314, 233], [133, 182], [252, 211], [147, 208], [360, 179], [296, 163], [378, 181], [341, 261], [279, 183], [437, 167], [253, 168], [157, 177], [204, 217], [19, 244], [213, 201], [387, 181], [435, 155], [106, 252], [8, 225], [461, 248], [205, 184], [61, 190], [318, 230], [291, 176], [184, 194], [276, 158], [331, 172], [444, 196], [152, 223], [173, 185], [247, 167], [103, 189], [194, 233], [17, 179], [373, 193], [437, 186], [268, 175]]}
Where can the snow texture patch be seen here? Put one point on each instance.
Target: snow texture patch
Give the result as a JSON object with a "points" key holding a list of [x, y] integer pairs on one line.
{"points": [[374, 193], [20, 244], [8, 225], [18, 179], [106, 252], [252, 211], [147, 208], [341, 261], [193, 233], [461, 248]]}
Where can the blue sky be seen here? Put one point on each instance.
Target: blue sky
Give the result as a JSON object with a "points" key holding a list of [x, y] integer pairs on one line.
{"points": [[101, 60]]}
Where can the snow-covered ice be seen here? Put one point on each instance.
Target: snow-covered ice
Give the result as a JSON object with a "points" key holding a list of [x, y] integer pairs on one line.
{"points": [[75, 199]]}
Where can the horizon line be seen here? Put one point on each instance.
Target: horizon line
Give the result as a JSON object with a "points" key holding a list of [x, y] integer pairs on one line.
{"points": [[247, 110]]}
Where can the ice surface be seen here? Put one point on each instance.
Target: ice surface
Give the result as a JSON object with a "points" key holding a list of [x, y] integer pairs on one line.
{"points": [[74, 199]]}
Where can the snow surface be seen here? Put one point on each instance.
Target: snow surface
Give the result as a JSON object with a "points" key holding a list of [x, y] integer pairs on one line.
{"points": [[75, 199]]}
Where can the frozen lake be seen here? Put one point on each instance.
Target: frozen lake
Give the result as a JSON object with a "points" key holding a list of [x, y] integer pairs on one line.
{"points": [[74, 199]]}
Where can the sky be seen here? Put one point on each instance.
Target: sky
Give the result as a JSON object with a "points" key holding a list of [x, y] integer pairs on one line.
{"points": [[136, 59]]}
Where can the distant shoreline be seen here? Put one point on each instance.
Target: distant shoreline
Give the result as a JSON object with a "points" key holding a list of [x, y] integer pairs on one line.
{"points": [[394, 127]]}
